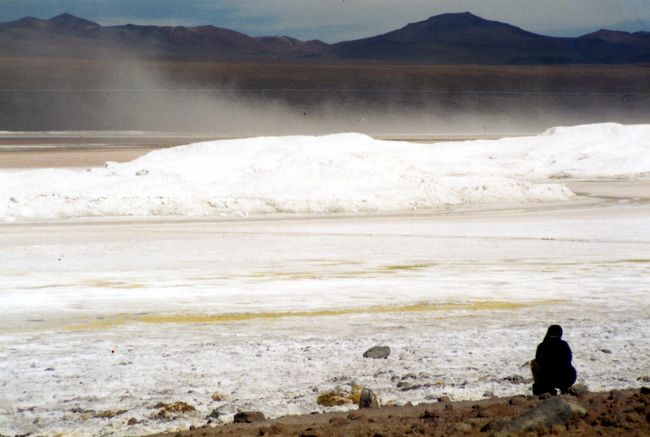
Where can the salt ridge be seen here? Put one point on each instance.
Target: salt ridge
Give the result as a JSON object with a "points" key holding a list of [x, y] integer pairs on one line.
{"points": [[340, 173]]}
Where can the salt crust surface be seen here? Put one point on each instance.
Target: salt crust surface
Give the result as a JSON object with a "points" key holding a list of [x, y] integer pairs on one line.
{"points": [[590, 265], [584, 268], [342, 173], [281, 368]]}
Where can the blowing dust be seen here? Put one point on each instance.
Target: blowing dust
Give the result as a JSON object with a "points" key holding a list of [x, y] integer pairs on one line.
{"points": [[250, 100]]}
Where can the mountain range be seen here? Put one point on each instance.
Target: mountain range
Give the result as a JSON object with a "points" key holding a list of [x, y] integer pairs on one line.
{"points": [[454, 38]]}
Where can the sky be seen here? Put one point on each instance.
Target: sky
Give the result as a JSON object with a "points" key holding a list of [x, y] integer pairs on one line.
{"points": [[338, 20]]}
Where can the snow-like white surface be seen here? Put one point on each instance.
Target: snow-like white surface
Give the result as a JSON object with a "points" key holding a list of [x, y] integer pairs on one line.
{"points": [[585, 268], [331, 174], [81, 303]]}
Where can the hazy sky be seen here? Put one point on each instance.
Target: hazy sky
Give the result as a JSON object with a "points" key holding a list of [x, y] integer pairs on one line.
{"points": [[336, 20]]}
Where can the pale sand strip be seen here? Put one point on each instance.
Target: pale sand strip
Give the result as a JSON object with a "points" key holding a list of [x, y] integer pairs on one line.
{"points": [[44, 152], [69, 157]]}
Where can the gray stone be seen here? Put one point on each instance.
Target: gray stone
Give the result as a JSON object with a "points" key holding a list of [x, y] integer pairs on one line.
{"points": [[368, 399], [463, 427], [579, 390], [516, 379], [214, 414], [407, 386], [249, 417], [495, 425], [377, 352], [517, 400], [554, 411]]}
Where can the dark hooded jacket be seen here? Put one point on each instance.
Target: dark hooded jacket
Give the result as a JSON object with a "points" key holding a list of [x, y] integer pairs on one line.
{"points": [[554, 354]]}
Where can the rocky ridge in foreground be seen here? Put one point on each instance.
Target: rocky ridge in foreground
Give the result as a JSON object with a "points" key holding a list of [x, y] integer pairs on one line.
{"points": [[615, 413]]}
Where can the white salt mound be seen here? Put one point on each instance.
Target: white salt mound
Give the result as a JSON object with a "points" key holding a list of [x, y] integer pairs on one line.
{"points": [[329, 174]]}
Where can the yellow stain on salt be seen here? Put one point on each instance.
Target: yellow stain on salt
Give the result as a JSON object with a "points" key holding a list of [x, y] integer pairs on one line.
{"points": [[42, 287], [184, 318], [407, 267], [100, 283], [319, 274], [265, 275], [296, 275]]}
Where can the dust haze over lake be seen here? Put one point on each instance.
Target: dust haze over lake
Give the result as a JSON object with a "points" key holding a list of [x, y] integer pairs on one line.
{"points": [[275, 99]]}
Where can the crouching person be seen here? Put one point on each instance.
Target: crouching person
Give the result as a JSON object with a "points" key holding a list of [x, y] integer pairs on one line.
{"points": [[552, 367]]}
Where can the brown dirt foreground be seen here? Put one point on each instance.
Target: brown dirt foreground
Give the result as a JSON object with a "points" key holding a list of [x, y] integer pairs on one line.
{"points": [[615, 413]]}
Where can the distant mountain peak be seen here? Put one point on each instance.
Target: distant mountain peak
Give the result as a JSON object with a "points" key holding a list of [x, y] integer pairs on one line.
{"points": [[610, 32], [70, 21], [461, 27], [451, 38], [28, 21], [618, 36], [65, 16], [459, 18], [457, 15]]}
